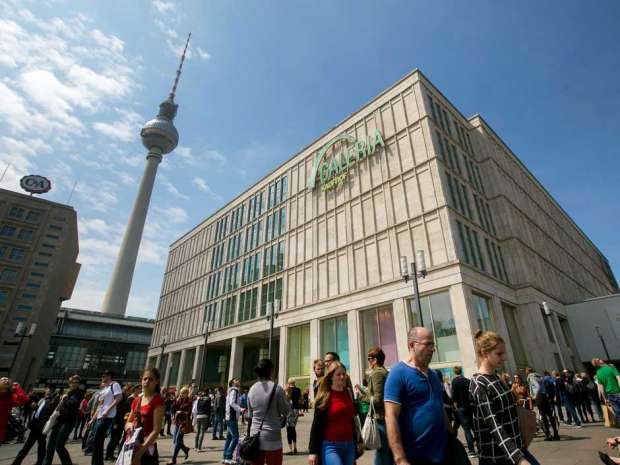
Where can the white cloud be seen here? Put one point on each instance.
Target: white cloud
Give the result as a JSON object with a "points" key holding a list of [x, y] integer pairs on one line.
{"points": [[112, 42], [202, 185], [164, 7], [127, 129], [203, 53], [176, 215]]}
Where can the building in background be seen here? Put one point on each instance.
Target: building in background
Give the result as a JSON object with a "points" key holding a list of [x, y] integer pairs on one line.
{"points": [[87, 343], [322, 236], [38, 270]]}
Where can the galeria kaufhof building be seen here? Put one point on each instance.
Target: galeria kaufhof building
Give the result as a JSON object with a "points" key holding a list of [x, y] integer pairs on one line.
{"points": [[322, 236]]}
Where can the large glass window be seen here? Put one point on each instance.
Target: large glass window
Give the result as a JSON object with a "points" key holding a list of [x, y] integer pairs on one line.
{"points": [[378, 331], [438, 317], [483, 312], [7, 231], [299, 355], [335, 338], [518, 349]]}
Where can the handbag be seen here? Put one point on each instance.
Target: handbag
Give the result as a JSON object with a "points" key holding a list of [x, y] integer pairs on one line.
{"points": [[249, 449], [51, 421], [527, 425], [370, 433]]}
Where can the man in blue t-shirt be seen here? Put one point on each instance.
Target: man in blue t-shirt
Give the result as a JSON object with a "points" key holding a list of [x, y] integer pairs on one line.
{"points": [[414, 413]]}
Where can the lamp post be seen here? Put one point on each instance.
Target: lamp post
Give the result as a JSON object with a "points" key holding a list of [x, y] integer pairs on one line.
{"points": [[21, 332], [164, 340], [208, 324], [600, 336], [273, 311], [549, 313], [417, 271]]}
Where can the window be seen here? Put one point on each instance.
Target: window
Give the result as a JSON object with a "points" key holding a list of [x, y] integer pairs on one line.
{"points": [[45, 254], [8, 275], [270, 292], [25, 234], [37, 274], [247, 304], [7, 231], [335, 338], [52, 236], [277, 192], [438, 317], [378, 330], [17, 212], [33, 216], [4, 296], [25, 308], [483, 312], [33, 285], [518, 349], [27, 295], [48, 246], [55, 227], [41, 264], [3, 249], [17, 255], [299, 354]]}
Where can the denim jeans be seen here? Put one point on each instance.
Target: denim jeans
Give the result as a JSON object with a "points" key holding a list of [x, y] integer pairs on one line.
{"points": [[201, 428], [383, 455], [56, 444], [571, 412], [232, 438], [614, 400], [464, 419], [218, 425], [177, 440], [338, 453], [102, 426]]}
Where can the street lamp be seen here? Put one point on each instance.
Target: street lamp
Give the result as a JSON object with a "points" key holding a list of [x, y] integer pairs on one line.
{"points": [[21, 332], [272, 313], [417, 271], [208, 325], [164, 340], [549, 313]]}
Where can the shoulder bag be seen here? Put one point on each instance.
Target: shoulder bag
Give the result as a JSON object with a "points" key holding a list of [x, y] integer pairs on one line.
{"points": [[249, 449], [52, 420], [370, 434]]}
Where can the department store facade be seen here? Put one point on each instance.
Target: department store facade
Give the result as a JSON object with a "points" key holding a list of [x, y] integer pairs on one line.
{"points": [[320, 238]]}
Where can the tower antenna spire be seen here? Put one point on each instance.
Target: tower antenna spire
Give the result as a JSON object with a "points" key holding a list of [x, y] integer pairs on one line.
{"points": [[176, 79]]}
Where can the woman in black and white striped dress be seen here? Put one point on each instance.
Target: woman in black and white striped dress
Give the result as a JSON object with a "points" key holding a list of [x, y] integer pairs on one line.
{"points": [[496, 423]]}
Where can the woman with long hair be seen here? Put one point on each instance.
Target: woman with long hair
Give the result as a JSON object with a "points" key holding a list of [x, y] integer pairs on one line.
{"points": [[182, 422], [147, 411], [496, 422], [266, 414], [333, 436]]}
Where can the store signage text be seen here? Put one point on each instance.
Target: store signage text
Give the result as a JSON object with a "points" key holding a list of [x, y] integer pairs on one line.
{"points": [[333, 170]]}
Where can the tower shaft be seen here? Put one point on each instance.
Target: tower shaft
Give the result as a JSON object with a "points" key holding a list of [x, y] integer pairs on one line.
{"points": [[115, 301]]}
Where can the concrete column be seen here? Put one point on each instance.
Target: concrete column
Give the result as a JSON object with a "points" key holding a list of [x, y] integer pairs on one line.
{"points": [[355, 347], [314, 350], [502, 330], [236, 358], [459, 298], [179, 380], [401, 326], [157, 361], [115, 301], [168, 365], [283, 356], [196, 367]]}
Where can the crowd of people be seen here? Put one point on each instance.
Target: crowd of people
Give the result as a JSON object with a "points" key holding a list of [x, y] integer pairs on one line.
{"points": [[416, 412]]}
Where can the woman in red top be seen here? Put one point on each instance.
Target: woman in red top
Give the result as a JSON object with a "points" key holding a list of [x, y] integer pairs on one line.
{"points": [[147, 411], [334, 437], [11, 395]]}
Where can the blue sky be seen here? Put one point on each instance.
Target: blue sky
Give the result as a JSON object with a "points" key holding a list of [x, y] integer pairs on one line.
{"points": [[264, 79]]}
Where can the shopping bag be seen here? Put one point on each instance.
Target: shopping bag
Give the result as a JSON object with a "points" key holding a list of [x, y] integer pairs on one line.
{"points": [[51, 422], [370, 433], [527, 425], [130, 445], [609, 415]]}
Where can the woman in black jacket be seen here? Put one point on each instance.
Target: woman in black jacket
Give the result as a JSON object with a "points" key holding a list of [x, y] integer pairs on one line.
{"points": [[68, 412]]}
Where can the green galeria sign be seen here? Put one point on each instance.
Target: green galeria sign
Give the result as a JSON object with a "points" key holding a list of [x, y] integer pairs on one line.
{"points": [[331, 171]]}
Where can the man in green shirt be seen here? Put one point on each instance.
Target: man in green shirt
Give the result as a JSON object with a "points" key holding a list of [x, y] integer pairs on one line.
{"points": [[608, 379]]}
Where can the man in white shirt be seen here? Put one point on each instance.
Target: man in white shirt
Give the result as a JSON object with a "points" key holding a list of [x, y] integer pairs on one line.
{"points": [[109, 397], [233, 409]]}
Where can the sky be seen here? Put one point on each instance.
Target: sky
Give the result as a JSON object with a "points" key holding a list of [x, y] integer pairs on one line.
{"points": [[264, 79]]}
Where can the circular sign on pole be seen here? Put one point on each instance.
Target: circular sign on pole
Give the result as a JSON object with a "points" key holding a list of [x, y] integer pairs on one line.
{"points": [[35, 184]]}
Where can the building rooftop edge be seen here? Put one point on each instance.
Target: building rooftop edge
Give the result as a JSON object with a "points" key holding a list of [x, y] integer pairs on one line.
{"points": [[601, 297], [94, 313], [38, 199], [410, 74]]}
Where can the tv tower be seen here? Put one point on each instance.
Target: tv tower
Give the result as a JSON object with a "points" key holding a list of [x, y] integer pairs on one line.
{"points": [[160, 137]]}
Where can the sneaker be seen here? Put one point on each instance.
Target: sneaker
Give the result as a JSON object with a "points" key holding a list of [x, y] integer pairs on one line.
{"points": [[472, 455], [576, 426]]}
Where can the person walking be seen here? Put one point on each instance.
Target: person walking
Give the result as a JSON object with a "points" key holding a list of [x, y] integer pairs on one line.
{"points": [[463, 411], [608, 379], [496, 423], [333, 435], [43, 410], [118, 424], [572, 398], [168, 401], [11, 395], [560, 396], [595, 398], [68, 413], [219, 410], [203, 417], [293, 398], [414, 413], [538, 393], [232, 412], [318, 368], [109, 397], [89, 436], [182, 423], [148, 412], [376, 376], [267, 404], [83, 417], [585, 403], [243, 402]]}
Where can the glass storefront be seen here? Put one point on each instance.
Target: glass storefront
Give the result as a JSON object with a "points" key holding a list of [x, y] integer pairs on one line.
{"points": [[438, 317], [175, 360], [188, 366], [335, 338], [483, 313], [378, 330], [299, 355]]}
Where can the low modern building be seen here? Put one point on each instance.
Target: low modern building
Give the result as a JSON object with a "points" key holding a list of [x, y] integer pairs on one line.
{"points": [[38, 269], [321, 237], [88, 343]]}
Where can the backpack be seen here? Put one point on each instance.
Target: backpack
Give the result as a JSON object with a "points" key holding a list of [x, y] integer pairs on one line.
{"points": [[549, 387], [204, 406], [571, 388]]}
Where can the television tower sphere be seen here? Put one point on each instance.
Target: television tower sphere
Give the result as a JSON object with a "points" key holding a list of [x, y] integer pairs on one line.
{"points": [[160, 134]]}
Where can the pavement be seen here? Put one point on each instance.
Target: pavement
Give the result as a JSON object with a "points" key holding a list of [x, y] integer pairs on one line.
{"points": [[576, 447]]}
